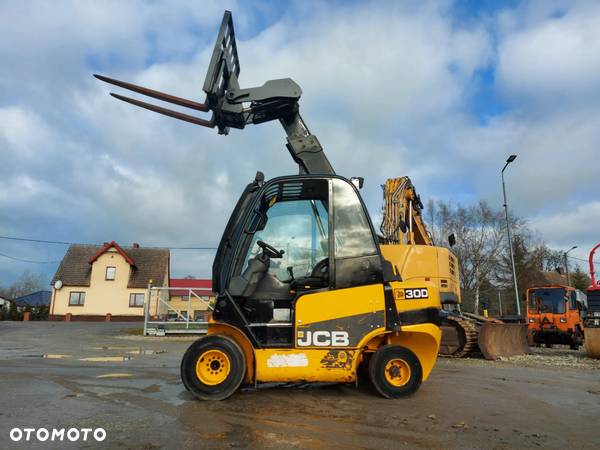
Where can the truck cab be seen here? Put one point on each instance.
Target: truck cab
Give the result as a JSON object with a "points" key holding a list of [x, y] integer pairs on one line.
{"points": [[555, 315]]}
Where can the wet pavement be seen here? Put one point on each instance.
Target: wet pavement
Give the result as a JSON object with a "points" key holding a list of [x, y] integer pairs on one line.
{"points": [[62, 375]]}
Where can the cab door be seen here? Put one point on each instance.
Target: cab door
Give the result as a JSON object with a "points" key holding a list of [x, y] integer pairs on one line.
{"points": [[354, 305]]}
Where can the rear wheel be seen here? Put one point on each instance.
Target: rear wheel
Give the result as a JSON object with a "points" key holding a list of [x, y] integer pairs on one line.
{"points": [[213, 367], [395, 371]]}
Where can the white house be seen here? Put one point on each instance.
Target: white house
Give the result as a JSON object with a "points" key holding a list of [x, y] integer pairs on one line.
{"points": [[4, 304]]}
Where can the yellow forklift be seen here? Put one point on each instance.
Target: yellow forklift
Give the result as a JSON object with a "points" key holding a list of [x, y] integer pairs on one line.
{"points": [[304, 293]]}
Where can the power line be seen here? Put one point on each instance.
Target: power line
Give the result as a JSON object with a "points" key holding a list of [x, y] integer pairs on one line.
{"points": [[28, 260], [581, 259], [44, 241], [11, 238]]}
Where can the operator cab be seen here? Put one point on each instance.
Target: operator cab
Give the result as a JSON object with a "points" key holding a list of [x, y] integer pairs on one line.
{"points": [[300, 234]]}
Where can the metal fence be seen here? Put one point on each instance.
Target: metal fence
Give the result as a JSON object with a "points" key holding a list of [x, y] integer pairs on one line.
{"points": [[188, 312]]}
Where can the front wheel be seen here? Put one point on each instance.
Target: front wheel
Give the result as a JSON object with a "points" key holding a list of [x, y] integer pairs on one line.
{"points": [[213, 367], [395, 371]]}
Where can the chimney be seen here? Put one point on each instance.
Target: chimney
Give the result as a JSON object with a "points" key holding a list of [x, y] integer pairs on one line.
{"points": [[136, 245]]}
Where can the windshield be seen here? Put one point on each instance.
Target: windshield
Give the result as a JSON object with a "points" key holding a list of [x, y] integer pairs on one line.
{"points": [[547, 300], [299, 228]]}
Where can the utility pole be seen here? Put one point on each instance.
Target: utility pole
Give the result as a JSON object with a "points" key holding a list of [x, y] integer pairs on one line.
{"points": [[500, 303], [510, 159], [567, 264]]}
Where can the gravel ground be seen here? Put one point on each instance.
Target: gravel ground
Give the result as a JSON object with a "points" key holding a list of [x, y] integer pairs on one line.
{"points": [[557, 357], [100, 375]]}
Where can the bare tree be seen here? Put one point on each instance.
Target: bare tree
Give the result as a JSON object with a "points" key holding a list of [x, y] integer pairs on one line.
{"points": [[27, 283], [480, 234]]}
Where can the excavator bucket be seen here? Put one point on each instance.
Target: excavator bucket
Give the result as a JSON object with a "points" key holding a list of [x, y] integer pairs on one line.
{"points": [[502, 339], [592, 342]]}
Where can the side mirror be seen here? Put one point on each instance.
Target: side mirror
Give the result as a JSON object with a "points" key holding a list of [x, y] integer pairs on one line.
{"points": [[452, 240], [259, 179], [358, 182]]}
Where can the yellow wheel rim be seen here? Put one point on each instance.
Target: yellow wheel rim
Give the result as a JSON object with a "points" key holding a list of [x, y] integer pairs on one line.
{"points": [[212, 367], [397, 372]]}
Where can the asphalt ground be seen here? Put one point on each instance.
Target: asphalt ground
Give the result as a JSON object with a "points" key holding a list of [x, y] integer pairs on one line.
{"points": [[103, 375]]}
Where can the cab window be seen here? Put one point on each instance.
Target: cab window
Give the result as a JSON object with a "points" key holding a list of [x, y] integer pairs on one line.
{"points": [[353, 236], [572, 300], [299, 227]]}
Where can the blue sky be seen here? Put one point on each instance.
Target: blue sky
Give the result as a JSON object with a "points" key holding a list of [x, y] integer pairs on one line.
{"points": [[441, 91]]}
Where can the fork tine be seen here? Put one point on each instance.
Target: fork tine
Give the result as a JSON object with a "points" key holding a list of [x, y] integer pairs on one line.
{"points": [[155, 94], [166, 112]]}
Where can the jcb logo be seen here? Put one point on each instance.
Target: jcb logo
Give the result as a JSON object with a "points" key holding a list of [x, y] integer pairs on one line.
{"points": [[417, 293], [323, 339]]}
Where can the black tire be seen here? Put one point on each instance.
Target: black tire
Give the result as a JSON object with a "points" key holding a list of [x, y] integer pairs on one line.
{"points": [[377, 371], [218, 344]]}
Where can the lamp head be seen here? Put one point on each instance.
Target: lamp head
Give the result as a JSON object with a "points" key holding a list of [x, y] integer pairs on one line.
{"points": [[511, 158]]}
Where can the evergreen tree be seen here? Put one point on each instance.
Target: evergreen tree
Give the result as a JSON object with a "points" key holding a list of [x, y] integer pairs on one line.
{"points": [[580, 279]]}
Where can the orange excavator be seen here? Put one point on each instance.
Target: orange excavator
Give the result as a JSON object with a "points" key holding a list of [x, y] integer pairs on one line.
{"points": [[592, 320], [405, 238]]}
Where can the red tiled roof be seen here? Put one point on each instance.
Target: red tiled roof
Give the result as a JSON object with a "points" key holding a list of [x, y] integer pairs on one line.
{"points": [[114, 245], [150, 264], [199, 287]]}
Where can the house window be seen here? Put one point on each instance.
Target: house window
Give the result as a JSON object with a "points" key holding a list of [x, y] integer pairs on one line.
{"points": [[201, 315], [136, 300], [76, 298], [110, 273]]}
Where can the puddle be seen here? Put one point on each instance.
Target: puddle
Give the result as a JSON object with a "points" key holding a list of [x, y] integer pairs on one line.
{"points": [[152, 388], [139, 351], [110, 347], [130, 350], [47, 356], [106, 358], [114, 375]]}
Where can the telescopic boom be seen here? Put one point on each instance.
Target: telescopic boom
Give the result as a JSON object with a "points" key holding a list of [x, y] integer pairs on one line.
{"points": [[234, 107]]}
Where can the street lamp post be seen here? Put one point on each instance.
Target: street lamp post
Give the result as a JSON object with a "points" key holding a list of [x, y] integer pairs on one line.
{"points": [[510, 159], [567, 264]]}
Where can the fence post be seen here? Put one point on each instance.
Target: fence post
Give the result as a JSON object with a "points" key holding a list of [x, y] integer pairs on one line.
{"points": [[187, 322], [147, 309]]}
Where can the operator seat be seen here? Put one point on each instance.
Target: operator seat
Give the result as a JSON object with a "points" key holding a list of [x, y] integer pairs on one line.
{"points": [[257, 283]]}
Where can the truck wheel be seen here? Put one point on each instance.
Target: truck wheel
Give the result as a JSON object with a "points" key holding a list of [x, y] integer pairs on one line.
{"points": [[395, 371], [213, 367]]}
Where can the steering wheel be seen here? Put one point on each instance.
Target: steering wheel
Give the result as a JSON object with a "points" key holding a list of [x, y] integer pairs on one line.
{"points": [[269, 250], [321, 269]]}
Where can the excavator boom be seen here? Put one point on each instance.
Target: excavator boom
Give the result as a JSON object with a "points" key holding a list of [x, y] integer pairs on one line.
{"points": [[402, 214], [408, 244]]}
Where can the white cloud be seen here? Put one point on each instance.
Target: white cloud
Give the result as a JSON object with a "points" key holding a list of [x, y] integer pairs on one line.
{"points": [[387, 89], [573, 225], [553, 60]]}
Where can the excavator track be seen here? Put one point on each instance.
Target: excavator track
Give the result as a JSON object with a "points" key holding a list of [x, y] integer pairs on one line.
{"points": [[459, 337]]}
